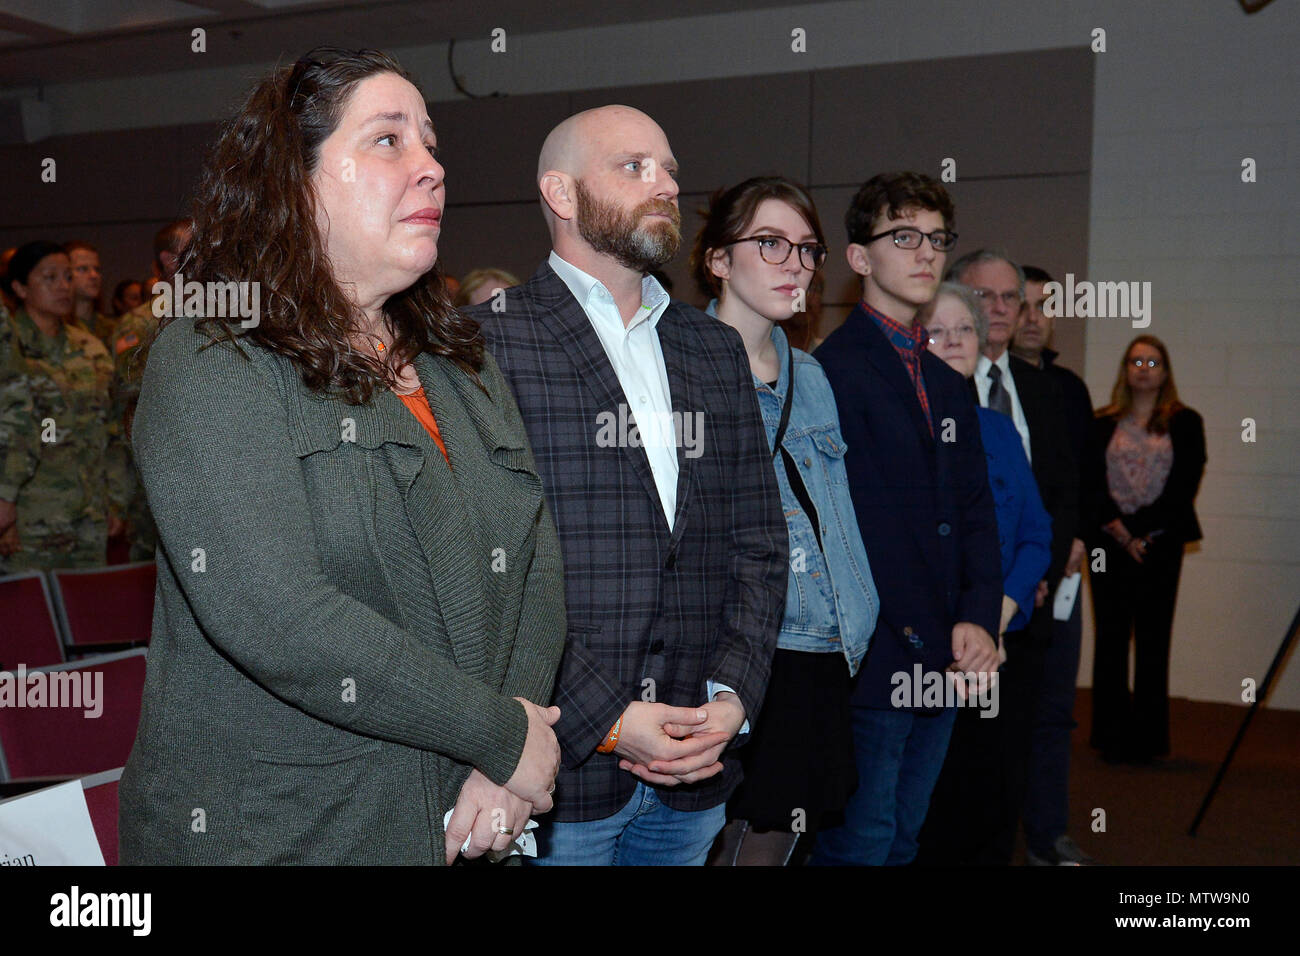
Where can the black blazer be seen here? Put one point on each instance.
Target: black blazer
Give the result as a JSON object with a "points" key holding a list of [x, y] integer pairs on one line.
{"points": [[1055, 463], [1078, 409], [923, 503], [1173, 512], [652, 615]]}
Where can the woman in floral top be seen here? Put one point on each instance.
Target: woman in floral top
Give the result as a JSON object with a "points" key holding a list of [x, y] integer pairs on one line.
{"points": [[1145, 461]]}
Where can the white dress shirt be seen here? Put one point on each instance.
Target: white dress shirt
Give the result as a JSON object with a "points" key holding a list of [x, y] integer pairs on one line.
{"points": [[638, 362], [983, 383]]}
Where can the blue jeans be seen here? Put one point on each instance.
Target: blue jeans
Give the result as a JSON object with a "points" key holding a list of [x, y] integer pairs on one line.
{"points": [[899, 754], [1047, 796], [643, 833]]}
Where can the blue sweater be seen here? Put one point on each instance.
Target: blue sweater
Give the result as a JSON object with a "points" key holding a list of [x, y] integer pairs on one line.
{"points": [[1024, 526]]}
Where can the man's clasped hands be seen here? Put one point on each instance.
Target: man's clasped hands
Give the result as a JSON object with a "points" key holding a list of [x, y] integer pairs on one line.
{"points": [[657, 743]]}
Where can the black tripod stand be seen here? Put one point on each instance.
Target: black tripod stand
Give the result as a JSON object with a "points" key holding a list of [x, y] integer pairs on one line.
{"points": [[1260, 694]]}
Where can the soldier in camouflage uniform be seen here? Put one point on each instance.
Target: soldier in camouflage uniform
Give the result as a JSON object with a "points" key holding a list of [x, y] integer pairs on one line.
{"points": [[87, 286], [130, 346], [15, 413], [61, 466], [16, 424]]}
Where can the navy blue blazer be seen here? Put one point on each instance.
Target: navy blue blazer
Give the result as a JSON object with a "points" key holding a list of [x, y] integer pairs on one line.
{"points": [[923, 503]]}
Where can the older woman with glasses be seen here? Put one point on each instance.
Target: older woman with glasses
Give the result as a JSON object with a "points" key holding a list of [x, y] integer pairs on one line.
{"points": [[1143, 470], [957, 329], [977, 799]]}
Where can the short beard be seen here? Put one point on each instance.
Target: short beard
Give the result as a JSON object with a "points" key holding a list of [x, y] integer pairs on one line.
{"points": [[610, 230]]}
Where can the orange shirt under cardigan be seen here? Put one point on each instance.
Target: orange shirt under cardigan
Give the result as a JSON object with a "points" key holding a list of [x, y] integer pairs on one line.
{"points": [[419, 406]]}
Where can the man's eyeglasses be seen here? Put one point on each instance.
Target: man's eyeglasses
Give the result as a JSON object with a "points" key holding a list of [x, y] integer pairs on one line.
{"points": [[1149, 363], [775, 250], [908, 238], [938, 335], [1011, 300]]}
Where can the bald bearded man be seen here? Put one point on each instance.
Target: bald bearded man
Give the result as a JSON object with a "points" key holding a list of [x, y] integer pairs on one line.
{"points": [[647, 437]]}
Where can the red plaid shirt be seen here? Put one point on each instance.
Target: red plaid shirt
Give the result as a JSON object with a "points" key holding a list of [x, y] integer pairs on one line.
{"points": [[909, 343]]}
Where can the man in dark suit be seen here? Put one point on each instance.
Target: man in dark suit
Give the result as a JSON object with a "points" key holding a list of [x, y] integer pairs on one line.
{"points": [[646, 431], [920, 489], [1033, 400], [1046, 811]]}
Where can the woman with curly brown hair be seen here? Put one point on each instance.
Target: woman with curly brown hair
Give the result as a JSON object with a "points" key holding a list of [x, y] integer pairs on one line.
{"points": [[1146, 459], [360, 603]]}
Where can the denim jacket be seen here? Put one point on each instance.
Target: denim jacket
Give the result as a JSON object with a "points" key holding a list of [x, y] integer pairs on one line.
{"points": [[831, 601]]}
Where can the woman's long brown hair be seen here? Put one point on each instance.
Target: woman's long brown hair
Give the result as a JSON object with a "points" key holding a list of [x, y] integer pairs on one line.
{"points": [[1121, 396], [255, 221]]}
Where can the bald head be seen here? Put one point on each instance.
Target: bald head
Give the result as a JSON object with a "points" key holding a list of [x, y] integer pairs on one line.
{"points": [[569, 147], [607, 180]]}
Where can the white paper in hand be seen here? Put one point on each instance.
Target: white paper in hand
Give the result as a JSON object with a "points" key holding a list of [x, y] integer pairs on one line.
{"points": [[525, 844], [49, 827], [1066, 594]]}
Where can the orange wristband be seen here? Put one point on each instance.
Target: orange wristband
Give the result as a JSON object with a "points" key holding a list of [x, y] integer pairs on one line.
{"points": [[611, 739]]}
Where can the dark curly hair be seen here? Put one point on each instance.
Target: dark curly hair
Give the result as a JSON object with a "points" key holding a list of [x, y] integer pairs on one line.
{"points": [[895, 194], [255, 220]]}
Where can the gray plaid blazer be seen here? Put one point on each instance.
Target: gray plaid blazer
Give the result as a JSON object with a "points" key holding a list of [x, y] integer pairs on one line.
{"points": [[648, 610]]}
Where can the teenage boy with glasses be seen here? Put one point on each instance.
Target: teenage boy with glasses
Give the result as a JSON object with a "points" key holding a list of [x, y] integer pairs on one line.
{"points": [[919, 484]]}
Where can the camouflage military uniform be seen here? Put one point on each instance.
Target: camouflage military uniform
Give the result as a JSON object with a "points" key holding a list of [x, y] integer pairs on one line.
{"points": [[16, 422], [101, 327], [130, 348], [62, 465]]}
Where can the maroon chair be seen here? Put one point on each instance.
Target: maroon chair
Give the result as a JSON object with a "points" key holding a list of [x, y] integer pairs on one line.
{"points": [[29, 631], [92, 730], [101, 801], [105, 608]]}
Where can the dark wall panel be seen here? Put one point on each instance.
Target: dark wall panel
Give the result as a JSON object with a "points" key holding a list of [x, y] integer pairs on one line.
{"points": [[490, 146], [1006, 115], [1019, 126], [724, 130]]}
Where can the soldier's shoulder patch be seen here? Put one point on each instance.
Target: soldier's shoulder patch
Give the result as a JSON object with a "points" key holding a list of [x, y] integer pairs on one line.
{"points": [[128, 341]]}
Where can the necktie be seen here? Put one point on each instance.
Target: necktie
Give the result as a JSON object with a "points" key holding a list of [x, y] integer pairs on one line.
{"points": [[999, 399]]}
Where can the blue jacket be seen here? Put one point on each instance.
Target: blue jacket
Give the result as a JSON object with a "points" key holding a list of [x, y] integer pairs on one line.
{"points": [[831, 602], [1024, 526], [923, 504]]}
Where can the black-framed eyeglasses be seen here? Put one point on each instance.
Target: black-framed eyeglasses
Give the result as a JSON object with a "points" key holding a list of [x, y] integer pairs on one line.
{"points": [[906, 237], [1011, 300], [775, 250], [1149, 363]]}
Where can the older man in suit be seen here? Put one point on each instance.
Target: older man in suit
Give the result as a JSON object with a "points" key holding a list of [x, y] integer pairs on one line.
{"points": [[1046, 812], [1033, 399], [648, 438]]}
